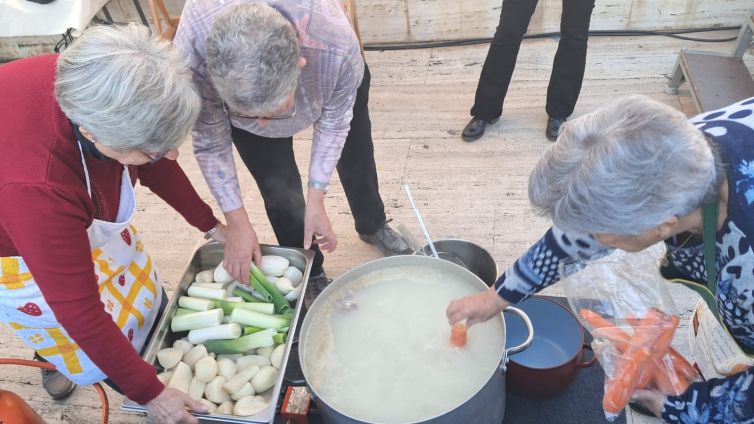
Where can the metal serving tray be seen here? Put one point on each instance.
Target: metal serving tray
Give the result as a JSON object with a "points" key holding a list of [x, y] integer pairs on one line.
{"points": [[209, 255]]}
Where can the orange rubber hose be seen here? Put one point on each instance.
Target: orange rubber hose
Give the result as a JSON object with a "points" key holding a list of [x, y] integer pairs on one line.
{"points": [[46, 365]]}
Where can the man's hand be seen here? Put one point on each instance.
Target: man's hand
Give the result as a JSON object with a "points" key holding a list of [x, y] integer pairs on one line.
{"points": [[317, 228], [241, 245], [169, 407], [476, 308]]}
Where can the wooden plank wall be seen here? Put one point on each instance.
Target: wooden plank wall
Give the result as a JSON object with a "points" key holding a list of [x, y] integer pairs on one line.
{"points": [[393, 21], [397, 21]]}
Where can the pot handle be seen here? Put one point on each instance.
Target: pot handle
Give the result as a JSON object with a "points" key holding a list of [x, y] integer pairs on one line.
{"points": [[525, 344], [589, 362]]}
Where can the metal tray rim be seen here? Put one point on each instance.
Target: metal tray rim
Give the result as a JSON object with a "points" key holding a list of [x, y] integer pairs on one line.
{"points": [[268, 414]]}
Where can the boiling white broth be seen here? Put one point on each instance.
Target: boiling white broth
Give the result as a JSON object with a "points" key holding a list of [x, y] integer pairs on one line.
{"points": [[389, 358]]}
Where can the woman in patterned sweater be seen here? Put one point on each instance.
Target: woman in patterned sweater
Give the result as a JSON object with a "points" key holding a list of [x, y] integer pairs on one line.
{"points": [[632, 174]]}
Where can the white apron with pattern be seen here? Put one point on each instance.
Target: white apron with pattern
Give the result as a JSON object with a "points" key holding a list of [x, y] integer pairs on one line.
{"points": [[128, 286]]}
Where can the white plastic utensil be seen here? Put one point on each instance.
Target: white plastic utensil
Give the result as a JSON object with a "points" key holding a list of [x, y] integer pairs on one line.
{"points": [[421, 221]]}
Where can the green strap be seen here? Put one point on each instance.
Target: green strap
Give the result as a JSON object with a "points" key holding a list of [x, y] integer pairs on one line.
{"points": [[709, 235], [708, 290]]}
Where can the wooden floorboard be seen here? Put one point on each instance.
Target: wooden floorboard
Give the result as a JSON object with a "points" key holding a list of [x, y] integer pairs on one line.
{"points": [[476, 191]]}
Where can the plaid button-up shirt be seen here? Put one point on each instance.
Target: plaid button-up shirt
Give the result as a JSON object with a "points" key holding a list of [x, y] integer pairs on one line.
{"points": [[324, 98]]}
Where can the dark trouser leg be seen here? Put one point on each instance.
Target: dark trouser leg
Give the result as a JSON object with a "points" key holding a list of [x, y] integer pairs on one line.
{"points": [[273, 166], [570, 60], [356, 167], [501, 58]]}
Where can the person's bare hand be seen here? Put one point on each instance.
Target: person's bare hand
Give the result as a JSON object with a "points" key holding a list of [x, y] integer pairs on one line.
{"points": [[476, 308], [170, 407], [221, 235], [653, 400], [317, 227], [241, 246]]}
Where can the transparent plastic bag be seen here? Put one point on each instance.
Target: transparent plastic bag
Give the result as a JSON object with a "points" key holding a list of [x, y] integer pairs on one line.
{"points": [[624, 303]]}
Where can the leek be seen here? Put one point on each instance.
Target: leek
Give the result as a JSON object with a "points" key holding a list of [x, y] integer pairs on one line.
{"points": [[259, 288], [206, 292], [273, 265], [242, 344], [250, 329], [195, 303], [279, 338], [184, 311], [265, 308], [196, 320], [224, 331], [247, 317], [246, 295], [281, 304]]}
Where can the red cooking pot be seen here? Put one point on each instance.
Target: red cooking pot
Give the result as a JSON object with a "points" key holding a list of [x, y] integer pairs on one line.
{"points": [[555, 355]]}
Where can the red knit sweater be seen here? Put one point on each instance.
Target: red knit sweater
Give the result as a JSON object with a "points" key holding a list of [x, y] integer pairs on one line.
{"points": [[45, 210]]}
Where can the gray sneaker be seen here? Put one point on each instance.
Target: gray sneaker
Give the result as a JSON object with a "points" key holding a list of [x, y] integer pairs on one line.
{"points": [[388, 240], [314, 287], [55, 384]]}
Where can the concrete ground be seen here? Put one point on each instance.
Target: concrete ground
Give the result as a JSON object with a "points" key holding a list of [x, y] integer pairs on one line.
{"points": [[474, 191]]}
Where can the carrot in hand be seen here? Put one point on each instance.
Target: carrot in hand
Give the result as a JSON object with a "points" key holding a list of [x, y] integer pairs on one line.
{"points": [[458, 335]]}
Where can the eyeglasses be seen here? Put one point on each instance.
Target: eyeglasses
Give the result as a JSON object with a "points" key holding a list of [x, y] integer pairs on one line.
{"points": [[155, 158], [289, 115]]}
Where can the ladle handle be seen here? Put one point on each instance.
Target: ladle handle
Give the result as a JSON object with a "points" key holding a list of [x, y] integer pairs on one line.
{"points": [[421, 221]]}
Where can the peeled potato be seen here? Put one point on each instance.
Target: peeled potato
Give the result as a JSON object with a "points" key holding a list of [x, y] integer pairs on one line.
{"points": [[205, 369], [249, 405], [169, 357], [206, 276]]}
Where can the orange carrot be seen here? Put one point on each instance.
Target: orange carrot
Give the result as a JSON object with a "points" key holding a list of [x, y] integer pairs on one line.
{"points": [[633, 361], [668, 380], [620, 339], [618, 390], [458, 335], [643, 360], [683, 366]]}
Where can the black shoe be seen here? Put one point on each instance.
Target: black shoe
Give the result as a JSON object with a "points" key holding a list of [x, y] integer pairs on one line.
{"points": [[56, 384], [388, 240], [314, 287], [553, 128], [474, 130]]}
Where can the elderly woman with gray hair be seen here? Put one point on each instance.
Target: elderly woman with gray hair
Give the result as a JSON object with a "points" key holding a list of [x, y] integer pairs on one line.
{"points": [[78, 130], [267, 70], [632, 174]]}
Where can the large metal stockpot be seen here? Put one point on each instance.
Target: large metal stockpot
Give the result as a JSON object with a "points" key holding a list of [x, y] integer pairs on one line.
{"points": [[486, 406]]}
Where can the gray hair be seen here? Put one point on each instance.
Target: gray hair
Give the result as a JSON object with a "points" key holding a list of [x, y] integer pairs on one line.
{"points": [[252, 57], [624, 168], [127, 88]]}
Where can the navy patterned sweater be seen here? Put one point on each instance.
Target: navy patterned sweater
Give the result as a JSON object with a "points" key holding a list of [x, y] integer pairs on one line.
{"points": [[727, 400]]}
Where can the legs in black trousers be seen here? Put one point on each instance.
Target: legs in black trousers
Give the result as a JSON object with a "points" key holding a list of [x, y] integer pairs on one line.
{"points": [[356, 167], [272, 164], [570, 59], [568, 67]]}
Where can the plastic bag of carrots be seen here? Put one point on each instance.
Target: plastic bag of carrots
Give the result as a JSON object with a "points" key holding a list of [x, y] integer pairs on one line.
{"points": [[625, 305]]}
